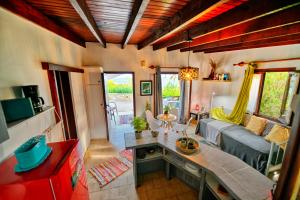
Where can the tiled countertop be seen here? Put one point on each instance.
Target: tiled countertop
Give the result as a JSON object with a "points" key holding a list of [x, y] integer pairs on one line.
{"points": [[240, 179]]}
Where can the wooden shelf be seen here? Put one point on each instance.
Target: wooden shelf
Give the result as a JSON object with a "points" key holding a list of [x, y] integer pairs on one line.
{"points": [[150, 157], [220, 81], [213, 185], [181, 165], [19, 122]]}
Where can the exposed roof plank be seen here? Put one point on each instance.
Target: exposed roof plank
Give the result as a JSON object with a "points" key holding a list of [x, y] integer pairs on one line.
{"points": [[83, 11], [256, 36], [183, 17], [249, 11], [269, 42], [22, 9], [137, 12], [269, 22]]}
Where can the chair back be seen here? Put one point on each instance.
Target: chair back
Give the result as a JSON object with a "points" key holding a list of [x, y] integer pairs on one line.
{"points": [[149, 116], [151, 120], [189, 122], [174, 111], [112, 104]]}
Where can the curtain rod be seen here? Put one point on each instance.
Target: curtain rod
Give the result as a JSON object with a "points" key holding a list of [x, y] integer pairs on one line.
{"points": [[153, 67], [265, 61]]}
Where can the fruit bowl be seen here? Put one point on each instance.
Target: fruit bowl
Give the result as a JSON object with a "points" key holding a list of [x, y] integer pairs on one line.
{"points": [[187, 145]]}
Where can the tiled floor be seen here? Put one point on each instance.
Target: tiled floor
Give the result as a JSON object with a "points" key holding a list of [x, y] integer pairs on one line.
{"points": [[154, 186]]}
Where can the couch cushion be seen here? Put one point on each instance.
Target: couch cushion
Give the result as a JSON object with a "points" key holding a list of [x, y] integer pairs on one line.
{"points": [[268, 128], [278, 135], [246, 137], [256, 125]]}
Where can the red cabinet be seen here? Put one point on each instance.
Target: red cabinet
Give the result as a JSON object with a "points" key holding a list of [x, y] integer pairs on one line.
{"points": [[61, 177]]}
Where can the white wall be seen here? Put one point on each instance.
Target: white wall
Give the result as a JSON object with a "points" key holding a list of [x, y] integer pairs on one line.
{"points": [[24, 46], [80, 109], [202, 90], [113, 58]]}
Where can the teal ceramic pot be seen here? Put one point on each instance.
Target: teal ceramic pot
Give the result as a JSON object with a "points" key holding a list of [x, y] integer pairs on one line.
{"points": [[31, 152]]}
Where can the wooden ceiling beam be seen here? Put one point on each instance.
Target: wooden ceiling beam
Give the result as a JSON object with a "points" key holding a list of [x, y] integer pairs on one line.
{"points": [[193, 10], [279, 19], [289, 29], [251, 10], [83, 11], [25, 10], [137, 12], [275, 41]]}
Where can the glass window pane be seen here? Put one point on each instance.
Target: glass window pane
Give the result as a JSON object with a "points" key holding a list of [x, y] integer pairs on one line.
{"points": [[254, 93], [170, 90], [273, 93], [293, 84]]}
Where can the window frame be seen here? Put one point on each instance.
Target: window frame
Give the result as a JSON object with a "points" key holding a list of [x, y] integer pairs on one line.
{"points": [[261, 87]]}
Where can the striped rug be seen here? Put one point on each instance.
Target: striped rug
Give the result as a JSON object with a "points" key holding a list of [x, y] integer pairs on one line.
{"points": [[109, 170]]}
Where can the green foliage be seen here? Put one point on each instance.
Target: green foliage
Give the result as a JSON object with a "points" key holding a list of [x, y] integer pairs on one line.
{"points": [[167, 108], [171, 90], [273, 92], [119, 88], [139, 124]]}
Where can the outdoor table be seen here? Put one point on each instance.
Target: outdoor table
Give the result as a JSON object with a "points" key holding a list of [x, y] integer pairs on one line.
{"points": [[167, 120]]}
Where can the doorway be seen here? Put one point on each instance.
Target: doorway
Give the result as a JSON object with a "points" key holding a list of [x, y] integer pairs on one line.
{"points": [[171, 91], [119, 96], [66, 104]]}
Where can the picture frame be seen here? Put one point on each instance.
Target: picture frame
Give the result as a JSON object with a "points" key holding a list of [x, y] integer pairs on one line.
{"points": [[146, 87]]}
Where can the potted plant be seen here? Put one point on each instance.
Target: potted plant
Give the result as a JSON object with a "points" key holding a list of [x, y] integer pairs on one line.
{"points": [[139, 124], [167, 109]]}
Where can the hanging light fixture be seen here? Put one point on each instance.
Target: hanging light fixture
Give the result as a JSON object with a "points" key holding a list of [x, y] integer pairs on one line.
{"points": [[188, 73]]}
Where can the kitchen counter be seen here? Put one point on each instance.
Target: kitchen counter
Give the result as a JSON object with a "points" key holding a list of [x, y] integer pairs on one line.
{"points": [[238, 178]]}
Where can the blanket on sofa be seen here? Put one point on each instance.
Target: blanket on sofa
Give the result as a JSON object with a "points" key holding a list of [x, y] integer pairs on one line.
{"points": [[213, 131], [238, 141]]}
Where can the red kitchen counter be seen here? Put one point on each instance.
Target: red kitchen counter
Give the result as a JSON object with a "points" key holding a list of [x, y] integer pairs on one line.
{"points": [[61, 176]]}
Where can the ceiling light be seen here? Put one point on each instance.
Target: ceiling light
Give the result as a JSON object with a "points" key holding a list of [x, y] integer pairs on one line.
{"points": [[188, 73]]}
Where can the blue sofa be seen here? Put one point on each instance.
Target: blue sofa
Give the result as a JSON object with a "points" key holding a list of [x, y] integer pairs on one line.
{"points": [[240, 142]]}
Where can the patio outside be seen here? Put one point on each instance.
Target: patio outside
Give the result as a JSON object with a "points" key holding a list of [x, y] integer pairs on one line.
{"points": [[170, 90], [119, 98]]}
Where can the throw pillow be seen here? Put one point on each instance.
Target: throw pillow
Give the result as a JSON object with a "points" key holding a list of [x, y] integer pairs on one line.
{"points": [[246, 120], [278, 135], [268, 128], [256, 125]]}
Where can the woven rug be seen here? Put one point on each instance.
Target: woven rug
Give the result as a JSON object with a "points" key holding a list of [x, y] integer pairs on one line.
{"points": [[109, 170]]}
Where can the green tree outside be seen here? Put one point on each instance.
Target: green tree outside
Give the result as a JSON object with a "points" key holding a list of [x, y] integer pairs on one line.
{"points": [[114, 87], [171, 90], [273, 93]]}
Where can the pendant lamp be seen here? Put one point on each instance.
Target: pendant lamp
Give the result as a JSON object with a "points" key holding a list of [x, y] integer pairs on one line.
{"points": [[188, 73]]}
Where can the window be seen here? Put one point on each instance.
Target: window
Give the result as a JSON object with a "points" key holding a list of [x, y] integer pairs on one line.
{"points": [[170, 89], [271, 94]]}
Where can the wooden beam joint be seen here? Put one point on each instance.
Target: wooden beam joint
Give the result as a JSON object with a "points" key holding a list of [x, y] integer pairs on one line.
{"points": [[83, 11]]}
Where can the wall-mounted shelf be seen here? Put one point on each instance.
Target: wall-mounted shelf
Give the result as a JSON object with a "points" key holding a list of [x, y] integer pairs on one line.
{"points": [[222, 81], [19, 122]]}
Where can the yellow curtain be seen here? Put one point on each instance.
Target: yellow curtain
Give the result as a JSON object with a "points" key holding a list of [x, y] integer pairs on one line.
{"points": [[237, 114]]}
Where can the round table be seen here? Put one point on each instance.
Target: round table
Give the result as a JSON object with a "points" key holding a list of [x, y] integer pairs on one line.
{"points": [[167, 120]]}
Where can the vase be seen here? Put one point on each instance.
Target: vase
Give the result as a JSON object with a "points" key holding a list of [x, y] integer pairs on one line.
{"points": [[138, 134], [154, 133]]}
